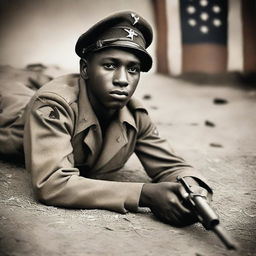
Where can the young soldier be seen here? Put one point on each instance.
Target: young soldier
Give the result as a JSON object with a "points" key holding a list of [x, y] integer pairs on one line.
{"points": [[78, 127]]}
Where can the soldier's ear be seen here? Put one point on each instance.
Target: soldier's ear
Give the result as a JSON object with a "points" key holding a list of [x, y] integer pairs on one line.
{"points": [[83, 68]]}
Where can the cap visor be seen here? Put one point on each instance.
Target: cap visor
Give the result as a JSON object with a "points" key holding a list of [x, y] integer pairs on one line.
{"points": [[143, 55]]}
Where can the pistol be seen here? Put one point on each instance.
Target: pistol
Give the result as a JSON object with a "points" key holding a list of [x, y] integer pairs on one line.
{"points": [[206, 215]]}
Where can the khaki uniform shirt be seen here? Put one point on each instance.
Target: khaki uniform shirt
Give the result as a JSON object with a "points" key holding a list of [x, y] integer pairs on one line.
{"points": [[17, 86], [64, 147]]}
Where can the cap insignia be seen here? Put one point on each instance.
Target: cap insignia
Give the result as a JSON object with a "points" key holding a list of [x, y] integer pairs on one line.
{"points": [[136, 19], [131, 33]]}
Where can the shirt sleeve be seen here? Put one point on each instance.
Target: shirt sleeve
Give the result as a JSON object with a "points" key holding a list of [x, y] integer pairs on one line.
{"points": [[157, 156], [49, 158]]}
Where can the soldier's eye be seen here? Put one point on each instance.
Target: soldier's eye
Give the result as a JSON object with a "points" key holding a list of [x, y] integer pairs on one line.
{"points": [[134, 69], [109, 66]]}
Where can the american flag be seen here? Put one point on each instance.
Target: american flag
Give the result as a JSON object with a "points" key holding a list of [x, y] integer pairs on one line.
{"points": [[204, 35], [211, 36]]}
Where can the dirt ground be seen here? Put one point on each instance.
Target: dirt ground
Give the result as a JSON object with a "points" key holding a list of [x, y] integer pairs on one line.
{"points": [[218, 139]]}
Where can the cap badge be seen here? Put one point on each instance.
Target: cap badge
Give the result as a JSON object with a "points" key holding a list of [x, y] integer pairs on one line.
{"points": [[131, 33], [136, 19]]}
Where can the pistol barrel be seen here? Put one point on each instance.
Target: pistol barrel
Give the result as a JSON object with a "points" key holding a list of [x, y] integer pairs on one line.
{"points": [[224, 237], [207, 216]]}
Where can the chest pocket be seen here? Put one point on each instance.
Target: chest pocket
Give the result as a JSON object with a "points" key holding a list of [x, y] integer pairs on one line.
{"points": [[122, 156]]}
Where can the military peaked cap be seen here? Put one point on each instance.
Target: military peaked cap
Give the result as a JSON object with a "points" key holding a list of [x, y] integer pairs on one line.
{"points": [[125, 30]]}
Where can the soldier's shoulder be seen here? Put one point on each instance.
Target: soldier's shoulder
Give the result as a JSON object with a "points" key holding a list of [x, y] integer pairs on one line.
{"points": [[136, 105], [65, 87]]}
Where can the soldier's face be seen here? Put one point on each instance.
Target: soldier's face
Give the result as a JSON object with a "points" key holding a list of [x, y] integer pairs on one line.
{"points": [[112, 77]]}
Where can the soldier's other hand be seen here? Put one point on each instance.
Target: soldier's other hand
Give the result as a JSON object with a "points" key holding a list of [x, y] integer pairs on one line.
{"points": [[165, 201]]}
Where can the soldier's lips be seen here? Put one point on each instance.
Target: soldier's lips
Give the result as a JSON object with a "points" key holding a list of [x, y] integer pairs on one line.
{"points": [[119, 94]]}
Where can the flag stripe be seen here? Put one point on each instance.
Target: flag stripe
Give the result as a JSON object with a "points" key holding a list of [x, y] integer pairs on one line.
{"points": [[249, 34], [235, 38], [162, 44], [174, 37], [207, 57]]}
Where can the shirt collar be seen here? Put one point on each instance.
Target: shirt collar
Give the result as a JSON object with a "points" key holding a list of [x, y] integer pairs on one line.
{"points": [[125, 116], [87, 117]]}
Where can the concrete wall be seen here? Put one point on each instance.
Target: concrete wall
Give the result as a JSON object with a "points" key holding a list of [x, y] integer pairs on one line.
{"points": [[46, 31]]}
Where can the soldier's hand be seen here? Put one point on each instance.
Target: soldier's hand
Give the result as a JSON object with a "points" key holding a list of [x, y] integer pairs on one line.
{"points": [[165, 201]]}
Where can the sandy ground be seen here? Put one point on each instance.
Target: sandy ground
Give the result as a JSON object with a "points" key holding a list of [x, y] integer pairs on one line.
{"points": [[225, 153]]}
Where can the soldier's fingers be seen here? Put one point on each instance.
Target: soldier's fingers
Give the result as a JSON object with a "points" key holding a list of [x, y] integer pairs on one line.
{"points": [[175, 218], [183, 194], [180, 191], [169, 217], [176, 205]]}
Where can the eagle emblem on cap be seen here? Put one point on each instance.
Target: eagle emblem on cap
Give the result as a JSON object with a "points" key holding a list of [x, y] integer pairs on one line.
{"points": [[136, 19], [131, 33]]}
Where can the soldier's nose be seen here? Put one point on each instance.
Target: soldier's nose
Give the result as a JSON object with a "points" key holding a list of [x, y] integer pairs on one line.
{"points": [[120, 78]]}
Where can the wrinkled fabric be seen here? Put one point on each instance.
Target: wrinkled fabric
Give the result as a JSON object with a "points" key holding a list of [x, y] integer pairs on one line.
{"points": [[17, 86], [65, 150]]}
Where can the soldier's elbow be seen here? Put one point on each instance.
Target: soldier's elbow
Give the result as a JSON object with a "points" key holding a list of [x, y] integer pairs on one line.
{"points": [[45, 195]]}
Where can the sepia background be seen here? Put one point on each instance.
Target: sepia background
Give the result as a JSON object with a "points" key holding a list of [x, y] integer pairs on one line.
{"points": [[46, 31], [201, 93]]}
